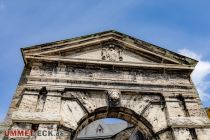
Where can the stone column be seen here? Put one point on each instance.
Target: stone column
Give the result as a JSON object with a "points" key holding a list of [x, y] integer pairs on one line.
{"points": [[175, 110], [47, 132], [27, 104], [52, 105]]}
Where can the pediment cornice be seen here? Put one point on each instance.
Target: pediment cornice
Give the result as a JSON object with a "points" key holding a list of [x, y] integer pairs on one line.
{"points": [[58, 48]]}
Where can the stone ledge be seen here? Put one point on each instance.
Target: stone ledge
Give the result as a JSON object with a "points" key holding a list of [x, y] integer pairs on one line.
{"points": [[36, 117], [116, 63], [189, 122]]}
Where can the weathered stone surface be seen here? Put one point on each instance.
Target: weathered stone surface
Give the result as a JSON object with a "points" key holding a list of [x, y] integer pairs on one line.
{"points": [[71, 113], [44, 130], [155, 88], [175, 109], [36, 117], [189, 122], [182, 134], [21, 126], [138, 102], [156, 116], [3, 127], [203, 134], [28, 103], [137, 76], [90, 100], [166, 136], [194, 109], [65, 135], [52, 104]]}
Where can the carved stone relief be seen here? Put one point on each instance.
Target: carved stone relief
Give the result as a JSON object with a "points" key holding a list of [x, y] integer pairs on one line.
{"points": [[111, 53], [113, 97]]}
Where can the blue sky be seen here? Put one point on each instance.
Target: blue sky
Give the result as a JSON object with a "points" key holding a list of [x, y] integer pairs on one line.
{"points": [[182, 26]]}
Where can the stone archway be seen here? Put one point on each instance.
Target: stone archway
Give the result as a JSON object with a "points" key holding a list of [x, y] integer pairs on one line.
{"points": [[145, 109], [123, 113], [67, 84]]}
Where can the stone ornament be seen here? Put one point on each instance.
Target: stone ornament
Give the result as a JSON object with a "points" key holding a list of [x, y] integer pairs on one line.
{"points": [[113, 97], [63, 92], [111, 53]]}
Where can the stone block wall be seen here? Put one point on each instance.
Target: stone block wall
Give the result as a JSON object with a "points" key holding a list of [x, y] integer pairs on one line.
{"points": [[58, 96]]}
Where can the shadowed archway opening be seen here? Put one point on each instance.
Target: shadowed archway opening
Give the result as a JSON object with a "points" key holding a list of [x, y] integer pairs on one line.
{"points": [[142, 127]]}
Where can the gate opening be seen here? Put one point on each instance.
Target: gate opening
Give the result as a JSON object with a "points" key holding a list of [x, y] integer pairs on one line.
{"points": [[110, 129]]}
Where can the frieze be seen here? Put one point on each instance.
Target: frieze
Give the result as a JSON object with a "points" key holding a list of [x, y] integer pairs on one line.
{"points": [[138, 76]]}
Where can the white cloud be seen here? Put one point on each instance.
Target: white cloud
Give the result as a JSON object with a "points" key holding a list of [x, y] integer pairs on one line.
{"points": [[200, 74], [190, 54]]}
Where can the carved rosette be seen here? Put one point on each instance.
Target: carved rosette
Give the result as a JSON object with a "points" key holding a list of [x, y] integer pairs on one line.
{"points": [[114, 97], [111, 53]]}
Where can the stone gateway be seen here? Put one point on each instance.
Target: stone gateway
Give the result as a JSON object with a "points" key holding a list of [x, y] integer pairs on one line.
{"points": [[67, 84]]}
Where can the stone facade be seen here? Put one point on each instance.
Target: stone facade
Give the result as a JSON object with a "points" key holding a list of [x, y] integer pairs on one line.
{"points": [[66, 85]]}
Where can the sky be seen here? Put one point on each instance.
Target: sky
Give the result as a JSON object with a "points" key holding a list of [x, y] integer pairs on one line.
{"points": [[182, 26]]}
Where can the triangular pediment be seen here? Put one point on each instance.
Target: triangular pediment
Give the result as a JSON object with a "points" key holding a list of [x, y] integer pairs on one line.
{"points": [[107, 53], [107, 46]]}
